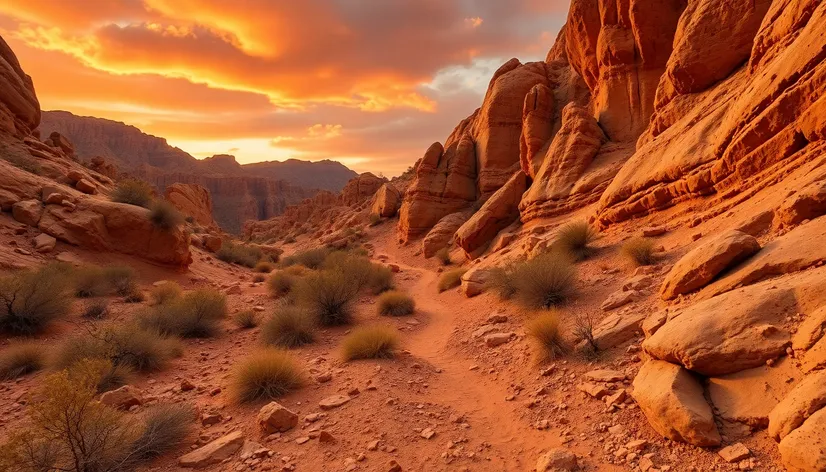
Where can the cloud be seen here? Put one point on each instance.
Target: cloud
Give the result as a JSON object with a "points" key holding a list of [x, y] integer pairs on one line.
{"points": [[346, 73]]}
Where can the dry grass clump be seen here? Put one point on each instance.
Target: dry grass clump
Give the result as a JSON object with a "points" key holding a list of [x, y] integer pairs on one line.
{"points": [[94, 281], [196, 314], [31, 299], [370, 342], [311, 259], [120, 279], [575, 238], [328, 296], [281, 283], [500, 280], [71, 431], [443, 255], [544, 330], [451, 279], [165, 292], [545, 281], [164, 215], [258, 278], [374, 219], [240, 254], [21, 358], [134, 192], [396, 303], [266, 374], [246, 319], [289, 327], [96, 309], [264, 267], [127, 346], [362, 273], [639, 250]]}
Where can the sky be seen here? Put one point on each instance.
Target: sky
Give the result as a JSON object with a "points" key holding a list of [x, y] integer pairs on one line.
{"points": [[370, 83]]}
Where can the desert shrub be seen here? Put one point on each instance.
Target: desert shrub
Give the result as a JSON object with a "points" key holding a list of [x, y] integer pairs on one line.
{"points": [[246, 319], [281, 283], [575, 238], [264, 267], [584, 334], [328, 296], [443, 255], [362, 273], [134, 192], [165, 292], [639, 250], [240, 254], [196, 314], [500, 281], [374, 219], [396, 303], [544, 330], [311, 259], [370, 342], [266, 374], [258, 278], [545, 281], [109, 375], [120, 279], [21, 358], [135, 297], [30, 299], [164, 428], [451, 279], [90, 281], [96, 309], [125, 345], [164, 215], [289, 327]]}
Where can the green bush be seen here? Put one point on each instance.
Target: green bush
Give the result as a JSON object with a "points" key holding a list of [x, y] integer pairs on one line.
{"points": [[21, 358], [545, 281], [328, 296], [289, 327], [639, 251], [240, 254], [451, 279], [31, 299], [164, 215], [370, 342], [134, 192], [396, 303], [196, 314], [266, 374], [544, 330], [575, 238]]}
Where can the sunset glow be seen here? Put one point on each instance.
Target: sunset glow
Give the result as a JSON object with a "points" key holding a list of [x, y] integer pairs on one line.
{"points": [[370, 84]]}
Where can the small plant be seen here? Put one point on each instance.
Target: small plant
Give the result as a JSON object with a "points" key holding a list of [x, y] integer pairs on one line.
{"points": [[396, 303], [375, 219], [266, 374], [164, 215], [328, 296], [545, 281], [165, 293], [134, 192], [240, 254], [126, 345], [584, 332], [544, 330], [258, 278], [109, 376], [639, 250], [281, 283], [451, 279], [443, 255], [246, 319], [21, 161], [575, 238], [31, 299], [120, 279], [264, 267], [96, 309], [194, 315], [164, 428], [90, 281], [289, 327], [311, 259], [370, 342], [500, 280], [21, 358]]}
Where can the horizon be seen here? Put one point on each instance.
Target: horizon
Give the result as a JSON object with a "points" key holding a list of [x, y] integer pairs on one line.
{"points": [[370, 86]]}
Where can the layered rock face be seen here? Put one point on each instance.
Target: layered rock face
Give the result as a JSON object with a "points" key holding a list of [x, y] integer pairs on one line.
{"points": [[19, 108], [192, 200]]}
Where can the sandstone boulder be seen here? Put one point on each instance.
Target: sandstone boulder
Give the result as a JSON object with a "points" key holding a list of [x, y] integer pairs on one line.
{"points": [[442, 233], [86, 186], [213, 242], [27, 212], [191, 200], [706, 261], [122, 398], [807, 397], [804, 449], [616, 329], [498, 212], [386, 201], [44, 243], [20, 113], [474, 281], [361, 188], [215, 452], [807, 204], [672, 400], [275, 418], [60, 141], [557, 460]]}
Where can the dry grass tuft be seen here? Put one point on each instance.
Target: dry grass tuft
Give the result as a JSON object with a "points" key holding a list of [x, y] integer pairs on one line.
{"points": [[443, 255], [31, 299], [396, 303], [21, 358], [311, 259], [258, 278], [240, 254], [196, 314], [545, 281], [165, 293], [501, 282], [266, 374], [164, 215], [264, 267], [289, 327], [126, 345], [246, 319], [281, 283], [370, 342], [328, 296], [575, 238], [134, 192], [451, 279], [639, 250], [96, 309], [544, 330]]}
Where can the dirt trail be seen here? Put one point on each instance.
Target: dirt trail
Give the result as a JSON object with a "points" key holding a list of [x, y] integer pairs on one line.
{"points": [[464, 388]]}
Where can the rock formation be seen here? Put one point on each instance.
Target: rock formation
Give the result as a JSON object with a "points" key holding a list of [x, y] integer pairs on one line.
{"points": [[192, 200]]}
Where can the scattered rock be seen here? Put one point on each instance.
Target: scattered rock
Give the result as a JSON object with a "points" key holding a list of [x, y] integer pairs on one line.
{"points": [[557, 460], [275, 418], [44, 243], [734, 453], [805, 399], [27, 212], [497, 339], [605, 375], [122, 398], [332, 402], [215, 452], [619, 298]]}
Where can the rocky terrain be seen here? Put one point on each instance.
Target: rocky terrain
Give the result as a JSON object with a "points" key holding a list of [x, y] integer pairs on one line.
{"points": [[240, 192], [686, 328]]}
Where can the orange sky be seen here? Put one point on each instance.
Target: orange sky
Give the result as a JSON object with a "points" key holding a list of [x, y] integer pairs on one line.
{"points": [[370, 83]]}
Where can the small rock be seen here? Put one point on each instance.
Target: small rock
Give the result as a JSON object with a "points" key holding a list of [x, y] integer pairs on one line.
{"points": [[123, 398], [734, 453], [556, 460], [326, 437], [497, 339], [393, 466], [275, 418], [215, 452], [334, 401], [428, 433]]}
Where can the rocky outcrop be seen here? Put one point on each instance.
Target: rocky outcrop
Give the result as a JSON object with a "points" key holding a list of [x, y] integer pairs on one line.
{"points": [[499, 211], [361, 188], [706, 261], [442, 233], [19, 108], [805, 399], [192, 200], [386, 201]]}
